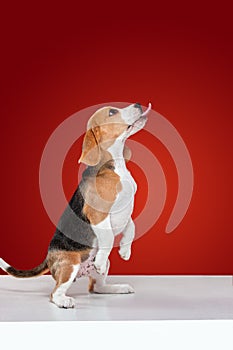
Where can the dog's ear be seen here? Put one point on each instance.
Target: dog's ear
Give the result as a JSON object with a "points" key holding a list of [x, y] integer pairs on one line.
{"points": [[127, 153], [90, 149]]}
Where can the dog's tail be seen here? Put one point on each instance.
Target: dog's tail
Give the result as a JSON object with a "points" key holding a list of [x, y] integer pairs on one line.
{"points": [[37, 271]]}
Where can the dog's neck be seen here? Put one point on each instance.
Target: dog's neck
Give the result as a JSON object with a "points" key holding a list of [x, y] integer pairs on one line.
{"points": [[116, 151], [111, 158]]}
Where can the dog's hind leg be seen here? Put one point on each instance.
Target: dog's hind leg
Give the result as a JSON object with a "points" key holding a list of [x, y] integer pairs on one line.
{"points": [[97, 284], [64, 269], [65, 280]]}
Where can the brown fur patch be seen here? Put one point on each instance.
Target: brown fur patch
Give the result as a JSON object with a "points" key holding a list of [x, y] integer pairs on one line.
{"points": [[100, 191], [92, 282], [90, 149], [100, 194], [84, 254], [102, 131], [101, 117], [61, 264]]}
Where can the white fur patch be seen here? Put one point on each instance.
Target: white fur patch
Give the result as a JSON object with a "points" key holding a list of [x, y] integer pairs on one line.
{"points": [[3, 265], [105, 237], [113, 289], [123, 206], [59, 298]]}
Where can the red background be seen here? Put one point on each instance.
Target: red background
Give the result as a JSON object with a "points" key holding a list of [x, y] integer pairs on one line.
{"points": [[57, 59]]}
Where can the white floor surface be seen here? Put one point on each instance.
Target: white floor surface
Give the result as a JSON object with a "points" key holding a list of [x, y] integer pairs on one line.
{"points": [[155, 298]]}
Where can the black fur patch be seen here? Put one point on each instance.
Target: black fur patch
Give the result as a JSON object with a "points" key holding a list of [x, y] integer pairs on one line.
{"points": [[27, 273], [74, 232], [62, 242]]}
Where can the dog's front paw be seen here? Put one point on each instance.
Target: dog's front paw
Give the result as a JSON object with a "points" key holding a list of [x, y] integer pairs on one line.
{"points": [[64, 302], [125, 252]]}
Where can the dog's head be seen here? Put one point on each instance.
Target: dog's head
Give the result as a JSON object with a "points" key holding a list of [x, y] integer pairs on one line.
{"points": [[107, 125]]}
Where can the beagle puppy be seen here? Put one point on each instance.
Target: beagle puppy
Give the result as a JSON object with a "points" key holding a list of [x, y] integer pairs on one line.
{"points": [[100, 209]]}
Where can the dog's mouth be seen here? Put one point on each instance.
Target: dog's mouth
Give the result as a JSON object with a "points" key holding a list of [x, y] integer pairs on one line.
{"points": [[141, 119]]}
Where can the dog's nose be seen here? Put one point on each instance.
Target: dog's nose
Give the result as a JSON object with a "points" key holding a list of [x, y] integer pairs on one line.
{"points": [[137, 105]]}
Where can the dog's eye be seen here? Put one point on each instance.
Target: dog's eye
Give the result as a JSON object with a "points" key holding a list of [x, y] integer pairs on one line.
{"points": [[112, 112]]}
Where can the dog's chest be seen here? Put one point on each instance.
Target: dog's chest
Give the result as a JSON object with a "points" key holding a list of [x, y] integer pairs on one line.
{"points": [[123, 205], [128, 185]]}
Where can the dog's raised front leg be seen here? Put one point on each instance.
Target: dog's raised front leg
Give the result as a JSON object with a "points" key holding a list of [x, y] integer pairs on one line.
{"points": [[105, 239], [98, 284], [127, 239]]}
